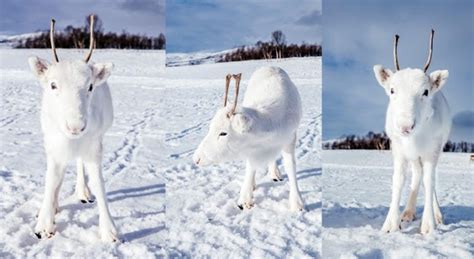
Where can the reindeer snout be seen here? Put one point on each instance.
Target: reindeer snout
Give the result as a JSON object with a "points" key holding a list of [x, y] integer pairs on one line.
{"points": [[196, 158], [76, 127], [407, 128]]}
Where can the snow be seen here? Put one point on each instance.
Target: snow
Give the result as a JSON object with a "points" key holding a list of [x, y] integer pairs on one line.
{"points": [[201, 210], [357, 189], [195, 58], [159, 121], [9, 41], [132, 163]]}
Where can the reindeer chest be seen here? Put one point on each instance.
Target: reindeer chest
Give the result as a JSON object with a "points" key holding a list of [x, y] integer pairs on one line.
{"points": [[414, 147], [65, 149]]}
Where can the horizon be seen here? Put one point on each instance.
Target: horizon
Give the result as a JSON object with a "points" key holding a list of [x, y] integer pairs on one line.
{"points": [[134, 17], [218, 25]]}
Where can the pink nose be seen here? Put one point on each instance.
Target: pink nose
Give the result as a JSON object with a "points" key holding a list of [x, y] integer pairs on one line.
{"points": [[76, 127], [407, 129]]}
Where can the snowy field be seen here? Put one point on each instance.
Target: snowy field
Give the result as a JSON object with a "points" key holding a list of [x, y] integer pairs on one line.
{"points": [[202, 213], [195, 58], [357, 189], [133, 175]]}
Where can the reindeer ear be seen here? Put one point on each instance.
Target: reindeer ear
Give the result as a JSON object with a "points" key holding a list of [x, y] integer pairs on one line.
{"points": [[38, 66], [383, 75], [101, 72], [438, 78], [241, 123]]}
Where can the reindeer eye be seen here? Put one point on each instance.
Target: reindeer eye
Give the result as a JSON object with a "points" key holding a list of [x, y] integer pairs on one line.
{"points": [[391, 91], [90, 88], [425, 93], [222, 134], [53, 86]]}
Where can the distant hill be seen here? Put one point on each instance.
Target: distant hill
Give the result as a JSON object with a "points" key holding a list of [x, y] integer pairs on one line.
{"points": [[276, 48], [10, 41], [195, 58]]}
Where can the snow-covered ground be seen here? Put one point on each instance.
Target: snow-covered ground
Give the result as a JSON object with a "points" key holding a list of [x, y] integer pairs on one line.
{"points": [[357, 189], [9, 41], [133, 172], [195, 58], [202, 214]]}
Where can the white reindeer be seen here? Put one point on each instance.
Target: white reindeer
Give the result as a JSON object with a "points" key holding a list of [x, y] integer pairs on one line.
{"points": [[76, 112], [418, 123], [264, 127]]}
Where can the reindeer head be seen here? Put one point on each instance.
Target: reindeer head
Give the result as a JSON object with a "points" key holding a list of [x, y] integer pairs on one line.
{"points": [[411, 92], [68, 87], [226, 131]]}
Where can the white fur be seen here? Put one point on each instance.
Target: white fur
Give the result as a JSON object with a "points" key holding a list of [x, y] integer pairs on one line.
{"points": [[74, 121], [261, 129], [418, 127]]}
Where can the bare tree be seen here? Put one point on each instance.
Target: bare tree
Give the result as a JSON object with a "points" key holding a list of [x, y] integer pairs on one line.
{"points": [[279, 39]]}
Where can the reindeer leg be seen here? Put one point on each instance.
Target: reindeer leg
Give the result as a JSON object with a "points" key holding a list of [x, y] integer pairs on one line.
{"points": [[428, 220], [409, 213], [436, 208], [54, 175], [274, 172], [289, 161], [82, 191], [392, 222], [108, 232], [246, 192]]}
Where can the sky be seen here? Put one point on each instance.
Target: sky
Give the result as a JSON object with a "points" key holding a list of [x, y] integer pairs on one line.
{"points": [[359, 35], [215, 25], [134, 16]]}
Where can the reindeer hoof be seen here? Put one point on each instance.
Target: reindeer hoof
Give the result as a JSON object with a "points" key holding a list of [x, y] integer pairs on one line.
{"points": [[275, 180], [83, 201], [39, 236], [241, 207]]}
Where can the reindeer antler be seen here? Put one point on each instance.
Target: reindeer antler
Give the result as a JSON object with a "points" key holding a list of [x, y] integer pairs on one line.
{"points": [[237, 78], [395, 52], [428, 62], [51, 38], [92, 41], [237, 84], [227, 83]]}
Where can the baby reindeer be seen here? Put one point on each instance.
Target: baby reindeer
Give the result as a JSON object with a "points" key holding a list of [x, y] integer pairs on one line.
{"points": [[418, 123], [76, 111], [258, 132]]}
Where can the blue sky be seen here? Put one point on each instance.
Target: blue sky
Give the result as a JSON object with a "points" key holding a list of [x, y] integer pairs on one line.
{"points": [[223, 24], [135, 16], [359, 34]]}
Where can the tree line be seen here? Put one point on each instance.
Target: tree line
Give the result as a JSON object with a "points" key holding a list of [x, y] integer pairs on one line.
{"points": [[380, 141], [273, 49], [78, 37]]}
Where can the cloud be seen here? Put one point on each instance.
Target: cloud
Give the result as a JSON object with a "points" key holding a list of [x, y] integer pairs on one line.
{"points": [[313, 18], [358, 36], [153, 6], [218, 25], [463, 126], [134, 16], [464, 118]]}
